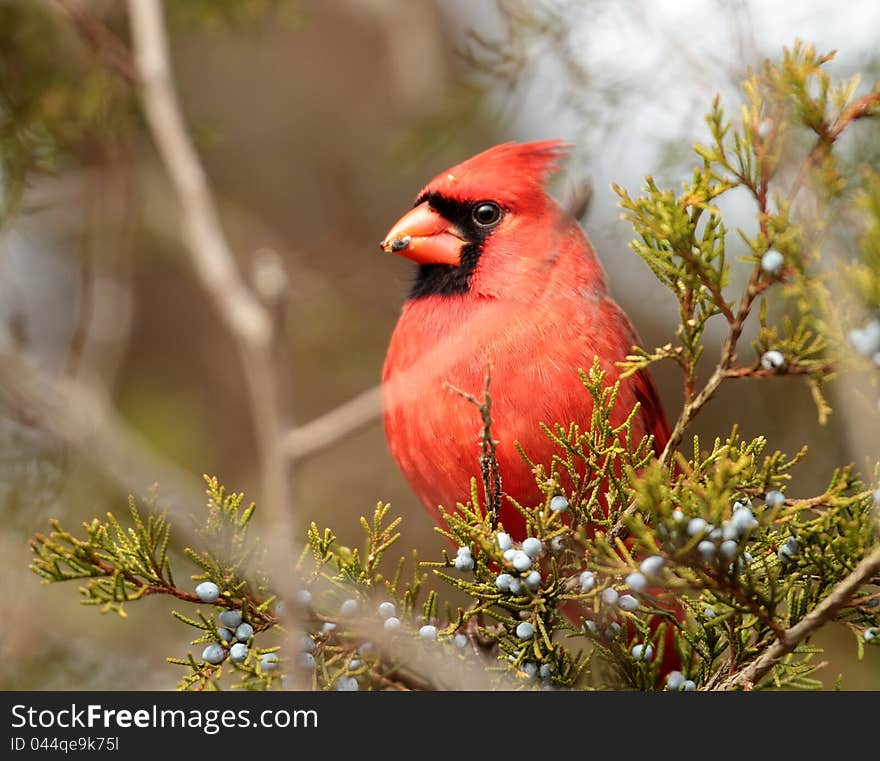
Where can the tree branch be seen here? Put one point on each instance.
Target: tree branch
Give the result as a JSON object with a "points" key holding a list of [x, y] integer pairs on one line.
{"points": [[326, 430], [86, 422], [245, 317], [839, 597]]}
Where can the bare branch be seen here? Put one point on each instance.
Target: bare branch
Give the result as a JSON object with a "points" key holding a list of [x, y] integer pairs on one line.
{"points": [[100, 38], [214, 261], [85, 421], [328, 429], [249, 322]]}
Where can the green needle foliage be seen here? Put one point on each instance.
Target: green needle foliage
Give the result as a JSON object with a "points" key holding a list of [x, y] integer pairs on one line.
{"points": [[700, 558]]}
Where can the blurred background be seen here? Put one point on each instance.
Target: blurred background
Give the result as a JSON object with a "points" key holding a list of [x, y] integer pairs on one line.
{"points": [[317, 123]]}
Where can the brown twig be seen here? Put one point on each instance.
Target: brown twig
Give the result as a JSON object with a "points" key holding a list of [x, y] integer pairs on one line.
{"points": [[491, 476], [100, 38]]}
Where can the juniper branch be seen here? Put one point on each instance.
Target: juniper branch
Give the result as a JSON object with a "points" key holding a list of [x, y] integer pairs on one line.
{"points": [[839, 598]]}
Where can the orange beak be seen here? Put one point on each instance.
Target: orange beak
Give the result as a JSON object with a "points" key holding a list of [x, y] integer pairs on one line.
{"points": [[425, 237]]}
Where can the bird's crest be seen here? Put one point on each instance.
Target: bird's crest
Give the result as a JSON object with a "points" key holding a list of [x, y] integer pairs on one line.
{"points": [[513, 170]]}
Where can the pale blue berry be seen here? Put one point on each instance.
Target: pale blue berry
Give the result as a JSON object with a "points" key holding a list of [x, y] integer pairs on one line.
{"points": [[866, 340], [789, 549], [515, 587], [280, 608], [677, 515], [502, 581], [504, 541], [328, 627], [706, 550], [674, 680], [208, 591], [716, 534], [464, 563], [557, 544], [509, 554], [774, 498], [744, 521], [628, 602], [386, 610], [348, 608], [590, 626], [304, 598], [307, 661], [466, 551], [613, 630], [428, 632], [871, 634], [530, 669], [245, 631], [213, 654], [460, 640], [559, 504], [546, 670], [689, 686], [696, 526], [525, 630], [366, 648], [772, 262], [642, 652], [347, 684], [521, 561], [239, 652], [610, 595], [307, 645], [533, 580], [392, 624], [772, 360], [729, 549], [747, 557], [229, 618], [636, 582], [652, 566], [532, 547], [269, 662], [225, 634], [587, 581], [709, 612]]}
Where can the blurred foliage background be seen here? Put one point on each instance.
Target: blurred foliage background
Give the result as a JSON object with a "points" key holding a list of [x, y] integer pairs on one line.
{"points": [[317, 123]]}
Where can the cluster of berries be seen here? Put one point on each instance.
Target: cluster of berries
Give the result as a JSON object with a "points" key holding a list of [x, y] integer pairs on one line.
{"points": [[520, 561], [234, 634], [649, 569]]}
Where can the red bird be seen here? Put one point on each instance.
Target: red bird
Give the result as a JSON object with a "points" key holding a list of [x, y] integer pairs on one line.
{"points": [[508, 280]]}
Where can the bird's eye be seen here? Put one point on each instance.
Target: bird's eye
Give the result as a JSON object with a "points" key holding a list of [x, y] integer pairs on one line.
{"points": [[486, 213]]}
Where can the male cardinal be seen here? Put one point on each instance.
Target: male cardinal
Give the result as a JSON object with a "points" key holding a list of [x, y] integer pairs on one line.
{"points": [[506, 280]]}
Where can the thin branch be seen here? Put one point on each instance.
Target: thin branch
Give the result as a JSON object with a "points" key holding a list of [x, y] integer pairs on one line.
{"points": [[86, 422], [215, 263], [246, 318], [489, 470], [100, 38], [717, 296], [760, 372], [328, 429], [839, 598]]}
